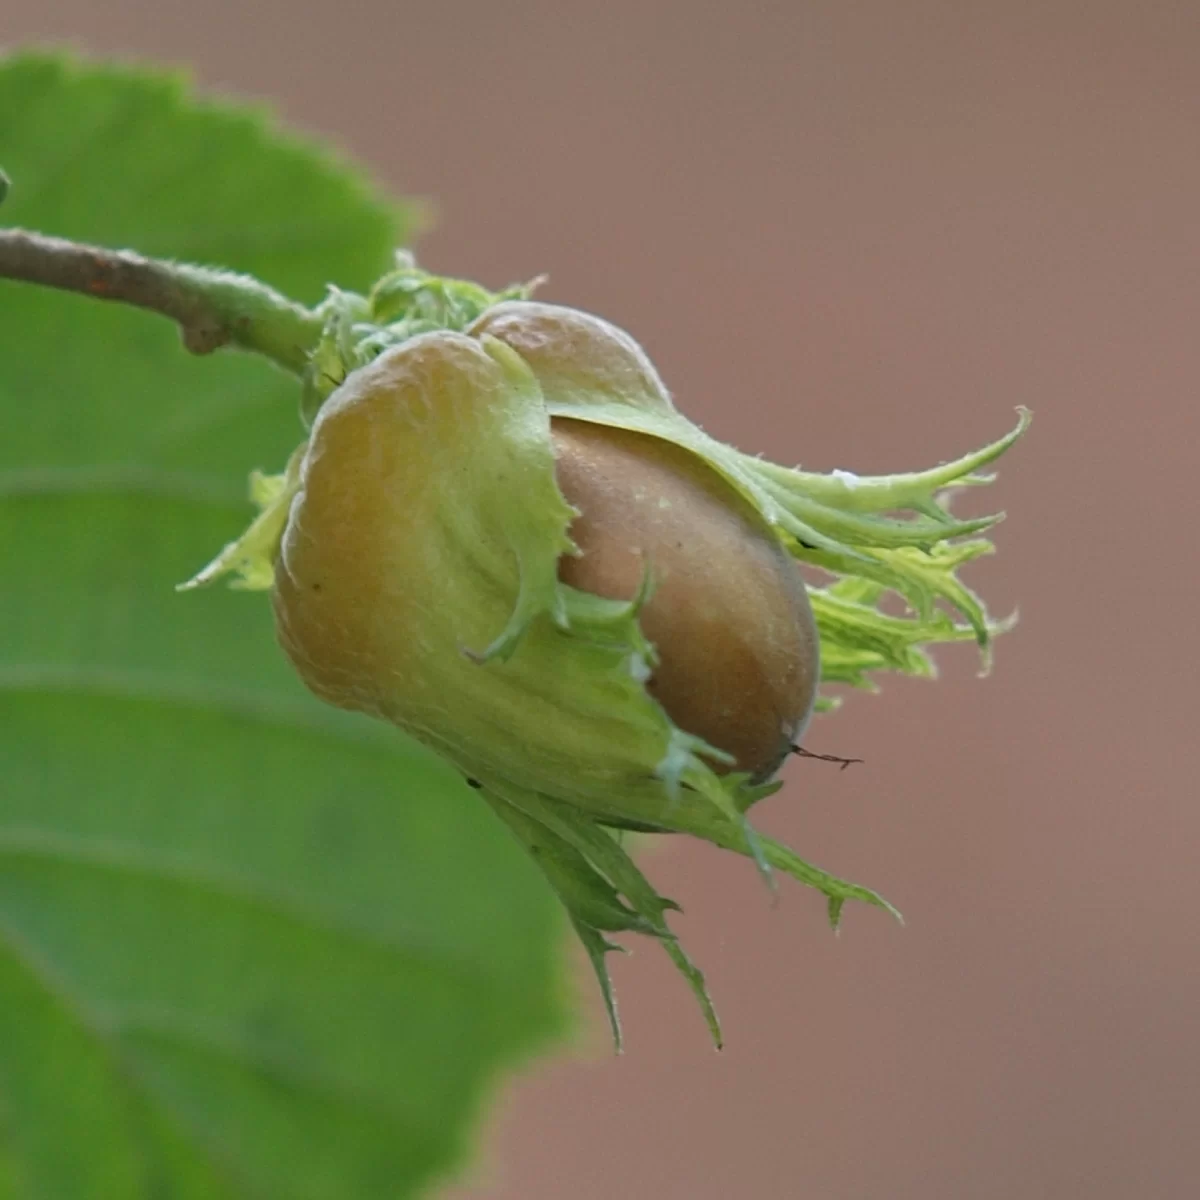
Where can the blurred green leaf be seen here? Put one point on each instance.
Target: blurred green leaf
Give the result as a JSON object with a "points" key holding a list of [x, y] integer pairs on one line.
{"points": [[249, 946]]}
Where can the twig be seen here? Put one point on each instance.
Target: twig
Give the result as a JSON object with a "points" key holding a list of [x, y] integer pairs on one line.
{"points": [[212, 308]]}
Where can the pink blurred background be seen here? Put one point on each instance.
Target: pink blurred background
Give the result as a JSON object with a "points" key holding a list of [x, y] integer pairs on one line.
{"points": [[857, 235]]}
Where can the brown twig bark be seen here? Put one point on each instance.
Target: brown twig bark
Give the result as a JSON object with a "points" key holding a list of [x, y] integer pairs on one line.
{"points": [[212, 308]]}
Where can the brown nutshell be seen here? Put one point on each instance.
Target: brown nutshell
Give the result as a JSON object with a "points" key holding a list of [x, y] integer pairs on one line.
{"points": [[739, 659]]}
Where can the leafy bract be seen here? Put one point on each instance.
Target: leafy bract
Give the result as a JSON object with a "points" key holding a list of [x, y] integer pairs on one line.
{"points": [[249, 945]]}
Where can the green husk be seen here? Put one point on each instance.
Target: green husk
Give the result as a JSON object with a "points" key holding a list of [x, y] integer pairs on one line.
{"points": [[535, 690]]}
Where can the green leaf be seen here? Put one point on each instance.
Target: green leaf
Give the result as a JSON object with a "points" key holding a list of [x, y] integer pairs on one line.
{"points": [[249, 946]]}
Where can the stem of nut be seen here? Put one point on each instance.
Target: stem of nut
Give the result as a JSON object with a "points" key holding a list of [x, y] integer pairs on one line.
{"points": [[212, 308]]}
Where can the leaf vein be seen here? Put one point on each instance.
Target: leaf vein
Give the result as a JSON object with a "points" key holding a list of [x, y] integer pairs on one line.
{"points": [[292, 715], [54, 984], [118, 478], [44, 846], [165, 1027]]}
